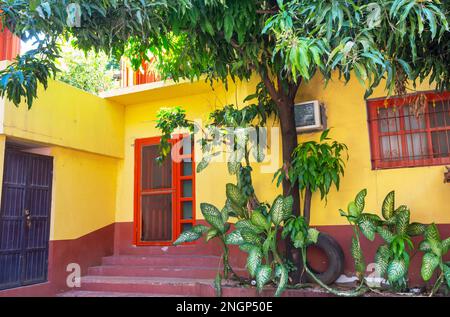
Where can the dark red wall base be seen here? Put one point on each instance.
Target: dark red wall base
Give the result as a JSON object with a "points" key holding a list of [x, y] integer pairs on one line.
{"points": [[118, 238], [86, 251], [343, 235]]}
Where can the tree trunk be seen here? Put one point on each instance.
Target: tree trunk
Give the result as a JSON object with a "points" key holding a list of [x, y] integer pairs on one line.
{"points": [[307, 205], [284, 100], [289, 143]]}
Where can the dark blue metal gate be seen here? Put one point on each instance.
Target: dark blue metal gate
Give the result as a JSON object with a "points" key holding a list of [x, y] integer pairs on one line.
{"points": [[25, 218]]}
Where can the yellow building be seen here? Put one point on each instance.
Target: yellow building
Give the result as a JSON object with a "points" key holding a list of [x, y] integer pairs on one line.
{"points": [[79, 182]]}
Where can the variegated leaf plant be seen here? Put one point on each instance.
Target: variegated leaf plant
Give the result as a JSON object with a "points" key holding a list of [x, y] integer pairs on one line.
{"points": [[258, 237], [435, 249]]}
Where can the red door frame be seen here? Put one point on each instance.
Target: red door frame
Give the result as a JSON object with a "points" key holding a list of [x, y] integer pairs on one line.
{"points": [[177, 198]]}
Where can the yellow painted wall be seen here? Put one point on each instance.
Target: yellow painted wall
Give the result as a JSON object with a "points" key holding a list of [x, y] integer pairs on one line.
{"points": [[84, 133], [69, 117], [84, 191], [421, 188]]}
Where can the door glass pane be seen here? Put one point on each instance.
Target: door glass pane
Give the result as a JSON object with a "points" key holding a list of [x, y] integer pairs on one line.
{"points": [[156, 217], [186, 227], [187, 168], [155, 175], [187, 189], [187, 145], [187, 209]]}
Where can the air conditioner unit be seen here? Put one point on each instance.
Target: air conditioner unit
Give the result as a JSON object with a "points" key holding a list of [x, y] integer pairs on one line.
{"points": [[309, 116]]}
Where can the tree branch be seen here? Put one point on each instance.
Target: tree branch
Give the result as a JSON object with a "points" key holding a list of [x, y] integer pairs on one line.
{"points": [[269, 84], [293, 88]]}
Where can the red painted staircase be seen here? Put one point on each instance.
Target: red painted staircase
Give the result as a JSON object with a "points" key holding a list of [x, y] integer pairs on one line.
{"points": [[154, 271], [184, 271]]}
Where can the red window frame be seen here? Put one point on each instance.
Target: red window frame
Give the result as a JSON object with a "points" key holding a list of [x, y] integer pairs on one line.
{"points": [[375, 134], [176, 190]]}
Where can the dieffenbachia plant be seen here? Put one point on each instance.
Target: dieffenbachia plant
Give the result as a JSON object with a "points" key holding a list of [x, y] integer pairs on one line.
{"points": [[258, 237], [235, 206], [392, 258], [435, 249], [363, 222], [219, 226]]}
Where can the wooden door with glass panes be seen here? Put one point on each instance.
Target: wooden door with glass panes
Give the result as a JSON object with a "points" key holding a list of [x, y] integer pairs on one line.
{"points": [[164, 192]]}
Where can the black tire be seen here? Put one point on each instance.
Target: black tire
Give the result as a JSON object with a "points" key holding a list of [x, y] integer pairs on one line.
{"points": [[335, 256]]}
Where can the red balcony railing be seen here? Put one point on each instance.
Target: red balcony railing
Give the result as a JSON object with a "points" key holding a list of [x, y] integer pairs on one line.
{"points": [[9, 45], [145, 75]]}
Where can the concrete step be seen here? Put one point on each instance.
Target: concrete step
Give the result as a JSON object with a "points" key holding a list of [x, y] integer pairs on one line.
{"points": [[98, 286], [148, 285], [159, 271], [159, 250], [110, 294], [163, 260]]}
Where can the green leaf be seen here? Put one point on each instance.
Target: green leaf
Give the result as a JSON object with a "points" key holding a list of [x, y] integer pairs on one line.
{"points": [[396, 270], [225, 212], [284, 277], [367, 228], [203, 163], [432, 233], [429, 263], [259, 220], [416, 229], [234, 238], [254, 260], [228, 26], [446, 270], [263, 275], [358, 257], [382, 259], [445, 245], [360, 200], [213, 216], [248, 225], [250, 237], [436, 247], [200, 229], [313, 235], [353, 209], [288, 202], [247, 247], [402, 221], [187, 236], [234, 195], [299, 240], [233, 167], [213, 232], [277, 210], [388, 205], [385, 234]]}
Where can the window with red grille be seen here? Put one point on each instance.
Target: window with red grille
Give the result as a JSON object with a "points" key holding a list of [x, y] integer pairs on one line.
{"points": [[402, 137]]}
